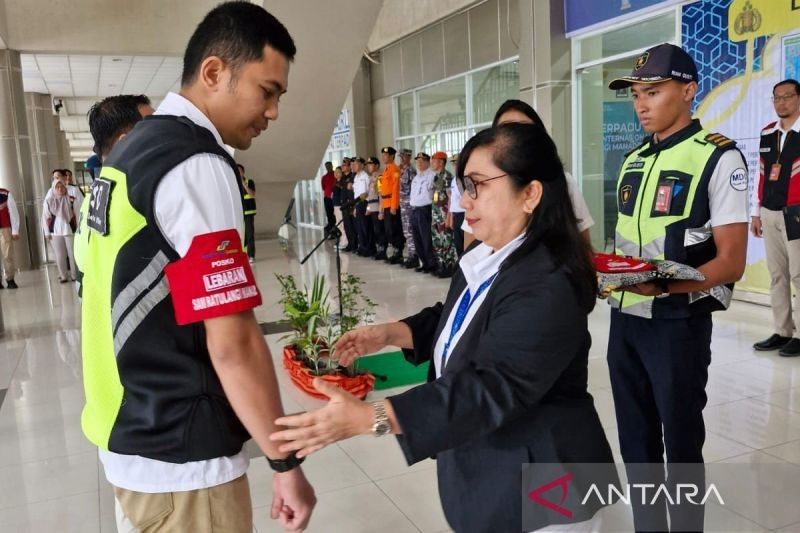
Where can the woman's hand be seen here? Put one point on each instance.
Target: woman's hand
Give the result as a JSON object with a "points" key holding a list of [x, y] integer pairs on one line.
{"points": [[361, 341], [345, 416]]}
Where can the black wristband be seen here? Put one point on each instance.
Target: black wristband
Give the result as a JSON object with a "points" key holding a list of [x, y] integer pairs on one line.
{"points": [[284, 465]]}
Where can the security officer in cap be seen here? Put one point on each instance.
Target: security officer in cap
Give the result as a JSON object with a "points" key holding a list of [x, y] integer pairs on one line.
{"points": [[390, 204], [681, 195]]}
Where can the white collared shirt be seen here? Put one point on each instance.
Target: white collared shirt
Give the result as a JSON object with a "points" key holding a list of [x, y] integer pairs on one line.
{"points": [[198, 196], [360, 184], [478, 265], [422, 188]]}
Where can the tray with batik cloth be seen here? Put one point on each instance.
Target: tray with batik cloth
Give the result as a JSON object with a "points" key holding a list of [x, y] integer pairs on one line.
{"points": [[615, 272]]}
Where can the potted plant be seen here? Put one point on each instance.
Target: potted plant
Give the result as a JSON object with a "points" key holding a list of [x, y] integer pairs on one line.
{"points": [[311, 347]]}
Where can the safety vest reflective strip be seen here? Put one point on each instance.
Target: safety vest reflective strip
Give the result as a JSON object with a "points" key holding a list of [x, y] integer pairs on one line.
{"points": [[640, 234], [97, 254]]}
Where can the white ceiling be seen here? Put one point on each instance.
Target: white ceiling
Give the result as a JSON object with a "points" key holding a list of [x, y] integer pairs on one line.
{"points": [[96, 76]]}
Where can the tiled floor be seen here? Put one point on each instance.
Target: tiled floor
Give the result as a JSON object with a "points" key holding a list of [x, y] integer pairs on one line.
{"points": [[50, 478]]}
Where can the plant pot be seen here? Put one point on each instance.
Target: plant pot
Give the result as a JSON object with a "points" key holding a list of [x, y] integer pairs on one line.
{"points": [[303, 379]]}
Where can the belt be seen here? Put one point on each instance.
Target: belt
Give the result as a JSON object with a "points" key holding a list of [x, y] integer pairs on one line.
{"points": [[386, 196], [421, 206]]}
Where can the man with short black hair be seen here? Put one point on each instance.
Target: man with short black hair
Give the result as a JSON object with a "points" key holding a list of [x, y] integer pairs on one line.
{"points": [[328, 181], [778, 187], [177, 374], [113, 117]]}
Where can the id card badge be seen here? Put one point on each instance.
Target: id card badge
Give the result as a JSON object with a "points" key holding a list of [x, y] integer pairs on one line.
{"points": [[663, 198], [436, 197], [774, 172]]}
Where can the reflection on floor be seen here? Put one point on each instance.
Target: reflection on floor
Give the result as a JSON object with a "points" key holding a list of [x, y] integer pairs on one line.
{"points": [[51, 480]]}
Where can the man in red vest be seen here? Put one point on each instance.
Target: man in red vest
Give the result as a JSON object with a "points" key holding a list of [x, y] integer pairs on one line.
{"points": [[9, 231]]}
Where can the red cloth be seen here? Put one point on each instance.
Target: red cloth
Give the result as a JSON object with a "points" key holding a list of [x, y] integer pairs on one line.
{"points": [[610, 264], [328, 181]]}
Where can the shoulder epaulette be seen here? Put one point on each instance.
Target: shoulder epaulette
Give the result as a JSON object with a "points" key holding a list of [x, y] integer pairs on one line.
{"points": [[718, 139], [769, 128]]}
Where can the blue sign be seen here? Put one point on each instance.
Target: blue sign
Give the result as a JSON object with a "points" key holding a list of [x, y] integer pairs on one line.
{"points": [[584, 15]]}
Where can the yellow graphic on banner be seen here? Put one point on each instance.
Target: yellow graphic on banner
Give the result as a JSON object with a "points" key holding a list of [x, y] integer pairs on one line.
{"points": [[749, 19]]}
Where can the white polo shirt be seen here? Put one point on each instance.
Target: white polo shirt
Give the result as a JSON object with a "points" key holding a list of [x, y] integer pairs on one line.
{"points": [[198, 196], [422, 188]]}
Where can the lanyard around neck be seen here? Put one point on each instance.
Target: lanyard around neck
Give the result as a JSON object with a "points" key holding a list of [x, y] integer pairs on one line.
{"points": [[461, 314]]}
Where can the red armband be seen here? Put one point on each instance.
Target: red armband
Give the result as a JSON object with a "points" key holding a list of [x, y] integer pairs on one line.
{"points": [[213, 279]]}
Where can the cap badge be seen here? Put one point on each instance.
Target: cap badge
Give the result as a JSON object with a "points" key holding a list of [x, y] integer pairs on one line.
{"points": [[641, 60]]}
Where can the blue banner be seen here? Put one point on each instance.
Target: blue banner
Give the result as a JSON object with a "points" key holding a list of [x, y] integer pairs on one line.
{"points": [[582, 15]]}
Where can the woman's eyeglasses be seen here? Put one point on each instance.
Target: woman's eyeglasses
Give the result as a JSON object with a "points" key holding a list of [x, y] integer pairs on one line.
{"points": [[470, 185]]}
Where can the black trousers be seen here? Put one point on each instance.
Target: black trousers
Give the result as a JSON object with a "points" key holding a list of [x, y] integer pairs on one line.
{"points": [[366, 243], [349, 223], [329, 215], [659, 371], [394, 230], [421, 219], [250, 235], [378, 232], [458, 233]]}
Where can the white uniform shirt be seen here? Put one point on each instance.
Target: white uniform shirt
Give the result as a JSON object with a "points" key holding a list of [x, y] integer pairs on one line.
{"points": [[13, 213], [478, 265], [455, 198], [360, 184], [198, 196], [422, 188]]}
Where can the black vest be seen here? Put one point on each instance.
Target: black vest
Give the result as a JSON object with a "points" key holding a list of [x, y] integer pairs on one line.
{"points": [[776, 195], [174, 408]]}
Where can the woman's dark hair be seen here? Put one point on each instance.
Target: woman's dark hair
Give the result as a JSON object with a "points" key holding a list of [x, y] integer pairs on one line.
{"points": [[517, 105], [237, 33], [526, 152]]}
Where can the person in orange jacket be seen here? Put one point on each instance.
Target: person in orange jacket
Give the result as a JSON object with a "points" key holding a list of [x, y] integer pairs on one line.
{"points": [[390, 204]]}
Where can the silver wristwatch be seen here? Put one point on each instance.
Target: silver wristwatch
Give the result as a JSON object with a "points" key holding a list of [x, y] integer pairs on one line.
{"points": [[380, 426]]}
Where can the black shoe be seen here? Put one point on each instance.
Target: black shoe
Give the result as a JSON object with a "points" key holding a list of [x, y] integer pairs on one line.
{"points": [[381, 256], [445, 273], [791, 349], [774, 342], [1, 286], [424, 269], [411, 263], [396, 259], [12, 284]]}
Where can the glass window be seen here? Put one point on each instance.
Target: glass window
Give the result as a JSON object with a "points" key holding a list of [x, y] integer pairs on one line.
{"points": [[492, 87], [645, 34], [405, 114], [442, 112], [443, 106]]}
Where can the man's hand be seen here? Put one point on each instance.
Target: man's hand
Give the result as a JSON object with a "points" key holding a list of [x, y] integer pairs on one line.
{"points": [[393, 211], [448, 221], [15, 237], [380, 215], [755, 227], [293, 499]]}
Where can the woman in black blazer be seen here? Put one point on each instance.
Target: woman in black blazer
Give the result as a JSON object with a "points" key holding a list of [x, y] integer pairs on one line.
{"points": [[508, 352]]}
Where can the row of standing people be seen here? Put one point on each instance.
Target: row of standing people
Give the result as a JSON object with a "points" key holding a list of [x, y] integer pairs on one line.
{"points": [[387, 208]]}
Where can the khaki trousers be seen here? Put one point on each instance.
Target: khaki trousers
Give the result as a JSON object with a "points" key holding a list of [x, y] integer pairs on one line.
{"points": [[7, 251], [783, 262], [225, 508]]}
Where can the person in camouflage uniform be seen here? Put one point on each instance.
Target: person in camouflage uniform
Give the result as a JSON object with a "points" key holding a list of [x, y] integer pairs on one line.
{"points": [[443, 245], [407, 173]]}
